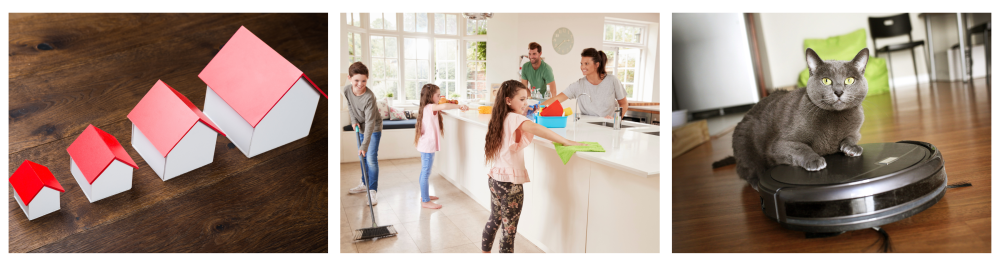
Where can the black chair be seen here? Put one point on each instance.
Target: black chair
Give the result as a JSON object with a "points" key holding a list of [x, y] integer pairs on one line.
{"points": [[885, 27], [986, 30]]}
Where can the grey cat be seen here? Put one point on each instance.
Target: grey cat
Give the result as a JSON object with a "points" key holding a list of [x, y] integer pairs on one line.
{"points": [[799, 127]]}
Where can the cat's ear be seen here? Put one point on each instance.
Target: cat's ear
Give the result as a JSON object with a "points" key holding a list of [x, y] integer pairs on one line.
{"points": [[812, 60], [860, 60]]}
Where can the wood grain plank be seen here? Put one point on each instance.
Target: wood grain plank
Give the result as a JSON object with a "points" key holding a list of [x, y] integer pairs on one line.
{"points": [[261, 209], [97, 72], [77, 214], [99, 68]]}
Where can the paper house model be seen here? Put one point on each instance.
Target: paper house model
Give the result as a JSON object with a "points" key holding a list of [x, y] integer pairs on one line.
{"points": [[170, 133], [100, 164], [260, 100], [35, 189]]}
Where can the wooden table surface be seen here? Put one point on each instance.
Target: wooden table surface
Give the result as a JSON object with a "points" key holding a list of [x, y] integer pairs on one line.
{"points": [[715, 211], [71, 70]]}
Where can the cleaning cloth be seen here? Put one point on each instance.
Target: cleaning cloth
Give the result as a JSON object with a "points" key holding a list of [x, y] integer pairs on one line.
{"points": [[565, 152]]}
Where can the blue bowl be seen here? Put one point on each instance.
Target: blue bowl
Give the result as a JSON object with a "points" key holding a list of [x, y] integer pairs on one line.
{"points": [[552, 122]]}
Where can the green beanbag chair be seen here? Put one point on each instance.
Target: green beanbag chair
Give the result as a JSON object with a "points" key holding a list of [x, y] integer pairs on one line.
{"points": [[844, 48]]}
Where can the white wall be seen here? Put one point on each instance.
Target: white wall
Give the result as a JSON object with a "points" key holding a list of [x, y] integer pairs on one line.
{"points": [[784, 33], [345, 118], [509, 35]]}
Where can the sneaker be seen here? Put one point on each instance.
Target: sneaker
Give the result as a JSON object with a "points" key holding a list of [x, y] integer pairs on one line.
{"points": [[374, 196], [359, 189]]}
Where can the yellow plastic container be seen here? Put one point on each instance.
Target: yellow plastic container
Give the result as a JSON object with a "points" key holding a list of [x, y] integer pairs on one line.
{"points": [[485, 109]]}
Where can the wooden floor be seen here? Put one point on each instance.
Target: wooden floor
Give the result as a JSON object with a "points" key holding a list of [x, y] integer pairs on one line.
{"points": [[71, 70], [715, 211]]}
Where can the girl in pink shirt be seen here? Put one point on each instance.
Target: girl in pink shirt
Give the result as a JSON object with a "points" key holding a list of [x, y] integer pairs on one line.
{"points": [[508, 133], [428, 135]]}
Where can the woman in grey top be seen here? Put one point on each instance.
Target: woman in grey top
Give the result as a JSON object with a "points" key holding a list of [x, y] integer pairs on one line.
{"points": [[604, 91], [365, 118]]}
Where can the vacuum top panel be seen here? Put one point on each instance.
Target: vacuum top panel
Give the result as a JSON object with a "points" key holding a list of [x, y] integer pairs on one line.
{"points": [[878, 159]]}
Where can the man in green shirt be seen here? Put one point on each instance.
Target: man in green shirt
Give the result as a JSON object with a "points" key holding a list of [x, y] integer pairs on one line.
{"points": [[536, 73]]}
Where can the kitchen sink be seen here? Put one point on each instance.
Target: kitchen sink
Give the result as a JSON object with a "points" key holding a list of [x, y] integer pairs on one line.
{"points": [[609, 124], [653, 133]]}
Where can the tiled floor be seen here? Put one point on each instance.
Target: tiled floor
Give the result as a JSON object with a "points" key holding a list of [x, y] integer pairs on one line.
{"points": [[455, 228]]}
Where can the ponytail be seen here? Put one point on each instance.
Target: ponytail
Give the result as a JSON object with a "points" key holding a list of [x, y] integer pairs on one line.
{"points": [[600, 58]]}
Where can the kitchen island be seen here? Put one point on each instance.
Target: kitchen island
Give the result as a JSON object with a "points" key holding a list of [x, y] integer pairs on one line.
{"points": [[598, 202]]}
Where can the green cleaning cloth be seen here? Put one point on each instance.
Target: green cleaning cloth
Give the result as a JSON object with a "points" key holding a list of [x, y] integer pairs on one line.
{"points": [[844, 48], [565, 152]]}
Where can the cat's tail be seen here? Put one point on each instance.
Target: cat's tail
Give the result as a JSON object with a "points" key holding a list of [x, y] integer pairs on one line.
{"points": [[729, 160]]}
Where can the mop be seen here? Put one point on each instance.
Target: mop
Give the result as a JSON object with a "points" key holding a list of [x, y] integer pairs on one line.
{"points": [[375, 231]]}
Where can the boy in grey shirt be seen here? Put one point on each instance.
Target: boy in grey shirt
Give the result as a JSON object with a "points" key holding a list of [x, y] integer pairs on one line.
{"points": [[366, 118]]}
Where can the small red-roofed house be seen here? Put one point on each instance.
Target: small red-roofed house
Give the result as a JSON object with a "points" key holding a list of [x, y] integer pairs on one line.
{"points": [[170, 133], [257, 97], [100, 164], [35, 189]]}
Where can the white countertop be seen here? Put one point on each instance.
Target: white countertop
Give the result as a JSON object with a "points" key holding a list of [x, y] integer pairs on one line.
{"points": [[628, 149], [651, 108]]}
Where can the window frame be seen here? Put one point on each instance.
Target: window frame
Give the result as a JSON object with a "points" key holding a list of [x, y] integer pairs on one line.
{"points": [[466, 62], [456, 67], [461, 67], [641, 62], [429, 63], [371, 64], [637, 70], [643, 33]]}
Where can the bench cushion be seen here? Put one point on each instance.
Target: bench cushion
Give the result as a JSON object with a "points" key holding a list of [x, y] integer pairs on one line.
{"points": [[389, 125]]}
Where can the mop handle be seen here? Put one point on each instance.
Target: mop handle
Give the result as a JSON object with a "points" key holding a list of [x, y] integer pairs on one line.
{"points": [[364, 173]]}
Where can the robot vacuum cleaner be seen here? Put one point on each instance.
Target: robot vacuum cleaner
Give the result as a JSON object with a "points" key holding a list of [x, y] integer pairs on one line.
{"points": [[887, 183]]}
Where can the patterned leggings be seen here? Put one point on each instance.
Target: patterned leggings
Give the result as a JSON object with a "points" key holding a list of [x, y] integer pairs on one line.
{"points": [[506, 206]]}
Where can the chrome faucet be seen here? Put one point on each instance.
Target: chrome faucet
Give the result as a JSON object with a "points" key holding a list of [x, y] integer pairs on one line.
{"points": [[577, 110], [618, 118]]}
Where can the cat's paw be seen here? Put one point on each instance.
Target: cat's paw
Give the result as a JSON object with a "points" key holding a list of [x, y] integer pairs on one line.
{"points": [[815, 164], [851, 150]]}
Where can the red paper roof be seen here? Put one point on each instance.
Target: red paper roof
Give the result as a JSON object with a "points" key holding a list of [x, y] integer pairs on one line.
{"points": [[165, 116], [250, 76], [29, 179], [94, 150]]}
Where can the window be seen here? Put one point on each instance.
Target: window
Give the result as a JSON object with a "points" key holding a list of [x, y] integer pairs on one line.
{"points": [[386, 21], [415, 22], [475, 27], [417, 57], [624, 45], [353, 47], [353, 19], [404, 51], [446, 63], [622, 64], [622, 33], [475, 78], [446, 24], [383, 73]]}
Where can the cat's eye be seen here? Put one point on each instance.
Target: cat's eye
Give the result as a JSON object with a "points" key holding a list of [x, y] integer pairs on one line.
{"points": [[850, 80], [826, 81]]}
